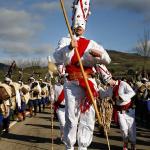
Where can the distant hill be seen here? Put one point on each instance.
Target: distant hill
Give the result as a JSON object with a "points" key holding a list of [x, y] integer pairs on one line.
{"points": [[3, 66], [121, 63], [3, 70], [117, 56]]}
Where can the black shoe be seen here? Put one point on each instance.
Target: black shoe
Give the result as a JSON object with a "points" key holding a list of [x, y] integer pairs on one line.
{"points": [[7, 131]]}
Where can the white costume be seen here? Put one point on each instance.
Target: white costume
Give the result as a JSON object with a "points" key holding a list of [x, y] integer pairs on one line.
{"points": [[74, 93], [79, 112], [58, 89], [122, 93], [64, 55]]}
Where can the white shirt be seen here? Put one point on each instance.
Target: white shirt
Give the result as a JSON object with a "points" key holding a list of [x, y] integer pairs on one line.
{"points": [[62, 53], [125, 92], [57, 90]]}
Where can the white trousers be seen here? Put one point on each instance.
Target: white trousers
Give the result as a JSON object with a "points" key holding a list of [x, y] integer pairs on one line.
{"points": [[61, 118], [127, 125], [78, 125]]}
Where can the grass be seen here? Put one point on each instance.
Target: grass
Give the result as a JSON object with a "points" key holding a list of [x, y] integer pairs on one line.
{"points": [[121, 64]]}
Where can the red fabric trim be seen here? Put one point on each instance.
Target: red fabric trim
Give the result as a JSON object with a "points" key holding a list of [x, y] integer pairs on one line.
{"points": [[115, 116], [119, 108], [81, 4], [87, 102], [124, 107], [115, 94], [85, 17], [82, 45], [116, 89], [72, 68], [59, 100]]}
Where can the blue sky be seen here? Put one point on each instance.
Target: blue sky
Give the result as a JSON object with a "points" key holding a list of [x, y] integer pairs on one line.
{"points": [[32, 28]]}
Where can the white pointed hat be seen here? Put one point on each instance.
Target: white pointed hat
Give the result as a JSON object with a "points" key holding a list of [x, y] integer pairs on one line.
{"points": [[103, 71], [81, 11]]}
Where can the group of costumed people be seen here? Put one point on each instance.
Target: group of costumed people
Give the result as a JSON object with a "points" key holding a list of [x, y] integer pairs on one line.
{"points": [[79, 111], [70, 95], [17, 97], [13, 96]]}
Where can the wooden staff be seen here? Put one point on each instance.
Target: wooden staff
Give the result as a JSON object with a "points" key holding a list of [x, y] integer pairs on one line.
{"points": [[51, 110], [82, 69], [52, 116], [52, 125]]}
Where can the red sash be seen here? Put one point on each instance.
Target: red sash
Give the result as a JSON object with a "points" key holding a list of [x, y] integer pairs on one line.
{"points": [[124, 107], [116, 89], [87, 101], [59, 100], [119, 108], [115, 94], [82, 45]]}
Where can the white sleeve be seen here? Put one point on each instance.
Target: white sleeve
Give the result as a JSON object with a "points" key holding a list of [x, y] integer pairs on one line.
{"points": [[61, 50], [52, 94], [125, 91], [18, 98], [105, 57]]}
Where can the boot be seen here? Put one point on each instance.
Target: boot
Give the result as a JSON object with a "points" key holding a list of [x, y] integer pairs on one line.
{"points": [[133, 147], [7, 130], [24, 115], [20, 118], [31, 112], [125, 146], [1, 128]]}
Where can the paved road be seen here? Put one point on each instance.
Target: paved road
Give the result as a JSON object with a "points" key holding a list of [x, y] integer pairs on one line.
{"points": [[35, 134]]}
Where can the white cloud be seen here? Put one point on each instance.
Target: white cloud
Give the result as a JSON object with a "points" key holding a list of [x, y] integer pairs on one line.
{"points": [[23, 48], [137, 6], [18, 32], [16, 25], [51, 6], [43, 49], [47, 6], [14, 47]]}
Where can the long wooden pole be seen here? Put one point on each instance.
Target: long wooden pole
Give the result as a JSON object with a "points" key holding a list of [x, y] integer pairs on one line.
{"points": [[81, 67], [52, 125]]}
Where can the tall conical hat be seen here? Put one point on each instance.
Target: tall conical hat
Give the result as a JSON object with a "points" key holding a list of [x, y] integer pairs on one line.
{"points": [[81, 11]]}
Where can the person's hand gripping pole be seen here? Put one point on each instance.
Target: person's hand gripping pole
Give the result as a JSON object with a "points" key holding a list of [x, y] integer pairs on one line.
{"points": [[82, 69]]}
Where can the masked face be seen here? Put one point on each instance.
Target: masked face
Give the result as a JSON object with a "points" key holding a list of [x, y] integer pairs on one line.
{"points": [[79, 31]]}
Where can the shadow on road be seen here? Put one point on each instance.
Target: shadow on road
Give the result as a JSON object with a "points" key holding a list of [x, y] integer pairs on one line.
{"points": [[43, 126], [32, 139], [101, 146]]}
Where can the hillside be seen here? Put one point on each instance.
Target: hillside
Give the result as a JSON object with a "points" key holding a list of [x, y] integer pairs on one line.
{"points": [[3, 66], [3, 69], [124, 61], [121, 64]]}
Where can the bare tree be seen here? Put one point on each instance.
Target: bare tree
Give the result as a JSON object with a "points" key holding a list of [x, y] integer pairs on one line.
{"points": [[143, 47]]}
